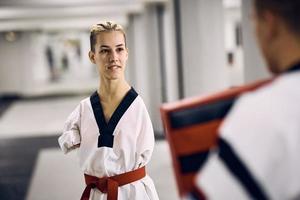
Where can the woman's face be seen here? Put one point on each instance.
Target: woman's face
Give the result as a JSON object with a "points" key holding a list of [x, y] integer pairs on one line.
{"points": [[110, 55]]}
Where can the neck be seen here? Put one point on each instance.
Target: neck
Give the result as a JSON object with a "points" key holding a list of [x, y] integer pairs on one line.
{"points": [[112, 89], [289, 53]]}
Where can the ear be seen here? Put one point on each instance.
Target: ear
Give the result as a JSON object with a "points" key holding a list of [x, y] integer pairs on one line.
{"points": [[272, 24], [92, 57]]}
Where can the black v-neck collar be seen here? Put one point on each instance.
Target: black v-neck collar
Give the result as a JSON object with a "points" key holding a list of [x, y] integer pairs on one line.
{"points": [[106, 129]]}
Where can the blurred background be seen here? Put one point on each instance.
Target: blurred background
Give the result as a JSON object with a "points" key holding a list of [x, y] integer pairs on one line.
{"points": [[177, 49]]}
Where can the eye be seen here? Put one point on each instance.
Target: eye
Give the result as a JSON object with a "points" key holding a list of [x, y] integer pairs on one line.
{"points": [[120, 49], [102, 51]]}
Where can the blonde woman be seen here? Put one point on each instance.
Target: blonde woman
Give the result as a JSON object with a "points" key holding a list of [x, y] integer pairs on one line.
{"points": [[111, 129]]}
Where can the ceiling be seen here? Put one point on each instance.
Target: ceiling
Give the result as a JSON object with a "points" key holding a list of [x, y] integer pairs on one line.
{"points": [[62, 14]]}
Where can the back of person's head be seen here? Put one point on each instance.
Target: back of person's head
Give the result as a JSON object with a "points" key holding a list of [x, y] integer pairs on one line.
{"points": [[288, 10], [107, 26]]}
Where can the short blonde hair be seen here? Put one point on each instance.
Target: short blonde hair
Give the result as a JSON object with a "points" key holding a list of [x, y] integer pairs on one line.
{"points": [[106, 26]]}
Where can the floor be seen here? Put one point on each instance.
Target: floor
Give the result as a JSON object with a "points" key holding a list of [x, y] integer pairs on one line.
{"points": [[32, 167]]}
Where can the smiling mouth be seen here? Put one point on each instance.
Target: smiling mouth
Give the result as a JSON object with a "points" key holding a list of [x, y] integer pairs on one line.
{"points": [[113, 67]]}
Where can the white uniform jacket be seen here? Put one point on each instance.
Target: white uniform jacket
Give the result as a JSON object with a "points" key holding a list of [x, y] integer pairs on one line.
{"points": [[259, 149], [105, 149]]}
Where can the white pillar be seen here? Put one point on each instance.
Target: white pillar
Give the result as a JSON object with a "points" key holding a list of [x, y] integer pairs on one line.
{"points": [[204, 59], [170, 53], [144, 66]]}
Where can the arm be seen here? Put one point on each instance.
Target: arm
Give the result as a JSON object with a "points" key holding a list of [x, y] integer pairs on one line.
{"points": [[70, 139], [145, 140]]}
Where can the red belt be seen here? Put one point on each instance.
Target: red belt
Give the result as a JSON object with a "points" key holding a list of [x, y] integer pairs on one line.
{"points": [[110, 185]]}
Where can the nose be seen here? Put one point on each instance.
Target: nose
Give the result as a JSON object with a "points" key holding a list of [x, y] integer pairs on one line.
{"points": [[113, 56]]}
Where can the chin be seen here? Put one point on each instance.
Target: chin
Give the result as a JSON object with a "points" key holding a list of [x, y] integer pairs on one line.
{"points": [[274, 71], [273, 67], [113, 77], [271, 61]]}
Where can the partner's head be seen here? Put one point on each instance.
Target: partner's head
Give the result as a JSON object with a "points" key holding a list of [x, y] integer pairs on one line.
{"points": [[276, 24]]}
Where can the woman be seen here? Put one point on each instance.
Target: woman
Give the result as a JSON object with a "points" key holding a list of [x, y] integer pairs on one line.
{"points": [[112, 128]]}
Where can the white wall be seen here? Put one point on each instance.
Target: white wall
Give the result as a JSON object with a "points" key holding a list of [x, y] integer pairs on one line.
{"points": [[24, 68], [39, 72], [15, 63]]}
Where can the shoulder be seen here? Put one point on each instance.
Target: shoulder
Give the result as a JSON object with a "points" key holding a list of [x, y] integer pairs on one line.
{"points": [[86, 100], [85, 103], [138, 101], [266, 108], [138, 109], [270, 98], [137, 105]]}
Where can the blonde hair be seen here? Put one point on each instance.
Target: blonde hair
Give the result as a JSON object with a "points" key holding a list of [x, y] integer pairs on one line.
{"points": [[106, 26]]}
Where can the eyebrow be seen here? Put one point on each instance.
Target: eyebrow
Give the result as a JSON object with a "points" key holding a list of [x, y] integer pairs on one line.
{"points": [[105, 46]]}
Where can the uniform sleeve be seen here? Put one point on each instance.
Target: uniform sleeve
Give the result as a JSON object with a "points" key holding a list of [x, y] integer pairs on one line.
{"points": [[145, 141], [70, 139]]}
